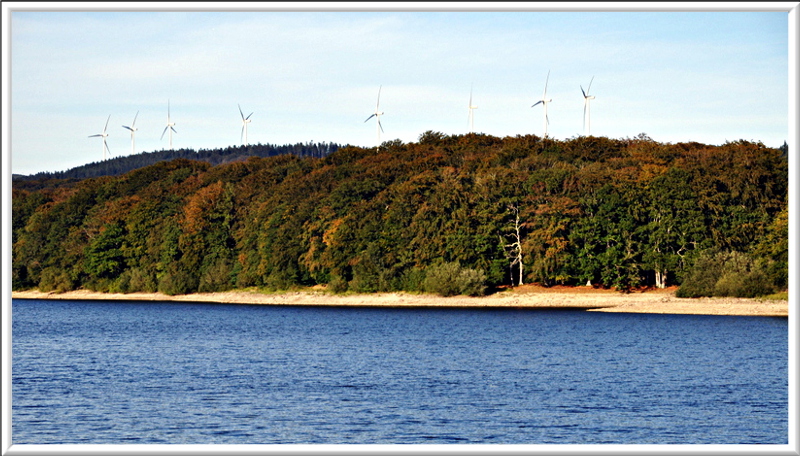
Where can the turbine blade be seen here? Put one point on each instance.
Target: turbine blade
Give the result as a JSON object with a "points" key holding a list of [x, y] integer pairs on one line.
{"points": [[164, 132], [545, 84], [241, 137], [240, 111], [536, 103], [379, 98], [248, 117], [134, 119], [129, 128], [109, 118], [379, 124], [369, 118], [173, 129], [584, 93], [590, 85], [94, 136]]}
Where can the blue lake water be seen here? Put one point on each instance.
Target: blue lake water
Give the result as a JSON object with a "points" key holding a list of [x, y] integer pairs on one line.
{"points": [[111, 372]]}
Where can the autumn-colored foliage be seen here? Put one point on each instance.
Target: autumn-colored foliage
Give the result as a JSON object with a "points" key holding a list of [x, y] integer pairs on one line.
{"points": [[470, 208]]}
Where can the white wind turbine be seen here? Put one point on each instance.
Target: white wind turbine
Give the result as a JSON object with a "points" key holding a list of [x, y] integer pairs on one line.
{"points": [[544, 102], [587, 108], [471, 114], [245, 121], [377, 115], [104, 135], [133, 129], [170, 126]]}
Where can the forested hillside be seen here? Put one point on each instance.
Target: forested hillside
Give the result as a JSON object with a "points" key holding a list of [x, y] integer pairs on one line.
{"points": [[120, 165], [450, 214]]}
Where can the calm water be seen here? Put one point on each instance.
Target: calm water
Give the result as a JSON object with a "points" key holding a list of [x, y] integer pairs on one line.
{"points": [[97, 372]]}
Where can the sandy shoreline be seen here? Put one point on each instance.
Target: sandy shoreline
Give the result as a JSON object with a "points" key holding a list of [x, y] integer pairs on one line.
{"points": [[651, 301]]}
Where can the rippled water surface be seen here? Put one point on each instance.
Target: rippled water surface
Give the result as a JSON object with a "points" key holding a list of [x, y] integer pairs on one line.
{"points": [[100, 372]]}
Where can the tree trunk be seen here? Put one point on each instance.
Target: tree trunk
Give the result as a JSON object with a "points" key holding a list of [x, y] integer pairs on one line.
{"points": [[661, 278], [516, 245]]}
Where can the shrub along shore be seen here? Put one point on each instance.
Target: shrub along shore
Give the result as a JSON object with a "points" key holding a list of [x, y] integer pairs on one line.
{"points": [[660, 301]]}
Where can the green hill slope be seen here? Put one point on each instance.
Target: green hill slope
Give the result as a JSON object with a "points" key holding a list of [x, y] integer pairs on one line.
{"points": [[451, 214]]}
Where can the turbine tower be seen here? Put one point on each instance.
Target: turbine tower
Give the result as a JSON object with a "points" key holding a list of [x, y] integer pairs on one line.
{"points": [[170, 126], [245, 121], [544, 102], [587, 108], [471, 114], [104, 135], [133, 129], [377, 115]]}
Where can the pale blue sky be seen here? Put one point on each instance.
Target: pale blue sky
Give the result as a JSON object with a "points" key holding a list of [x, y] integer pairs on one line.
{"points": [[709, 77]]}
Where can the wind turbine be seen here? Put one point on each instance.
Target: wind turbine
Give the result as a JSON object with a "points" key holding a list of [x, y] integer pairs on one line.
{"points": [[587, 108], [471, 114], [544, 102], [104, 135], [133, 129], [170, 126], [245, 121], [377, 115]]}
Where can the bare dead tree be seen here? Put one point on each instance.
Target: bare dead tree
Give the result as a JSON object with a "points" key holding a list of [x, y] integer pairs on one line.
{"points": [[515, 253]]}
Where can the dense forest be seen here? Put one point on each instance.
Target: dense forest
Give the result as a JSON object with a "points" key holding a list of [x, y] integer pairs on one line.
{"points": [[457, 214], [120, 165]]}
